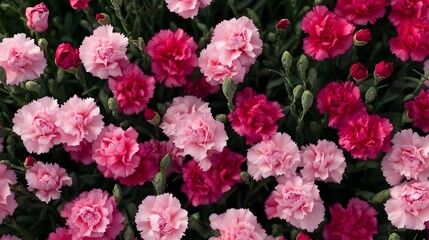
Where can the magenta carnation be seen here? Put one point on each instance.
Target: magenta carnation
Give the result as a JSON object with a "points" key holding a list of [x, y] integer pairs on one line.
{"points": [[361, 12], [418, 109], [80, 153], [7, 196], [406, 10], [186, 9], [61, 233]]}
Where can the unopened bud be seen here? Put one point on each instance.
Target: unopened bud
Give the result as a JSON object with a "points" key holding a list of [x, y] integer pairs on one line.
{"points": [[362, 37], [33, 86], [162, 108], [307, 100], [302, 66], [287, 60], [245, 176], [297, 91], [43, 44], [282, 24], [113, 104], [383, 70], [139, 43], [302, 236], [152, 117], [117, 193], [406, 118], [370, 94], [221, 118], [29, 161], [359, 72], [394, 236], [165, 162], [102, 18]]}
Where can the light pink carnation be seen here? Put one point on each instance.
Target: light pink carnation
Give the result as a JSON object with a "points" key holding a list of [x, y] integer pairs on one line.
{"points": [[323, 162], [361, 12], [273, 157], [173, 56], [296, 201], [79, 119], [115, 151], [80, 153], [186, 8], [104, 52], [7, 197], [408, 206], [21, 59], [35, 124], [9, 237], [61, 233], [161, 218], [93, 216], [47, 180], [37, 17], [132, 90], [406, 10], [239, 224]]}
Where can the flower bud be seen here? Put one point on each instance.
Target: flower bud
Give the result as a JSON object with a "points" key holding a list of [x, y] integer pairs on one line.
{"points": [[297, 91], [102, 18], [245, 176], [380, 197], [159, 183], [161, 108], [312, 76], [394, 236], [113, 104], [359, 72], [362, 37], [302, 66], [229, 88], [33, 86], [283, 24], [165, 162], [406, 118], [29, 161], [43, 44], [302, 236], [151, 116], [139, 43], [117, 193], [307, 100], [37, 17], [370, 94], [383, 70], [66, 57], [287, 60], [221, 118]]}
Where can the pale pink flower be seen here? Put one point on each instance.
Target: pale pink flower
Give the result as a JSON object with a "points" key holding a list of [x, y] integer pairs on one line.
{"points": [[408, 159], [238, 224], [61, 233], [37, 17], [115, 151], [9, 237], [186, 8], [276, 156], [7, 197], [296, 201], [323, 162], [80, 153], [79, 119], [104, 52], [161, 218], [408, 206], [35, 124], [21, 59], [93, 215], [47, 179]]}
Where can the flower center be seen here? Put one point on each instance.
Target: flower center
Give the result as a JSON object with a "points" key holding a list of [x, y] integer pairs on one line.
{"points": [[17, 60], [105, 51], [90, 215], [200, 132], [237, 42], [159, 223], [43, 127], [415, 199]]}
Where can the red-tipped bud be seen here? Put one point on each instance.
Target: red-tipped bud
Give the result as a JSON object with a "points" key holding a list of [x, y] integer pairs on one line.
{"points": [[283, 24], [362, 37], [383, 70], [302, 236], [29, 161], [359, 72], [151, 116]]}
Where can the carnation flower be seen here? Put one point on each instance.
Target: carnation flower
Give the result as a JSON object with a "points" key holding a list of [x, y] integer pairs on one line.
{"points": [[340, 101], [408, 206], [9, 237], [47, 180], [61, 233], [173, 56], [7, 197], [409, 158], [80, 153], [361, 12], [132, 90], [103, 54], [66, 57], [273, 157], [21, 59], [359, 73], [329, 34], [418, 109], [37, 17], [237, 39], [383, 70], [115, 151], [365, 135], [200, 88], [357, 221], [406, 10], [35, 124], [254, 117], [323, 162], [186, 9], [296, 201], [237, 224], [79, 119], [93, 215], [161, 218], [79, 4]]}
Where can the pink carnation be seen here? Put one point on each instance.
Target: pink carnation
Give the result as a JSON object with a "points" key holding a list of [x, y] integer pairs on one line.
{"points": [[47, 180], [93, 215], [412, 40], [237, 224], [61, 233], [409, 158], [79, 119], [357, 221], [9, 237], [323, 162], [254, 117], [237, 39], [132, 90], [408, 206], [21, 59], [418, 109], [329, 34], [361, 12], [79, 4], [104, 52], [365, 135], [37, 17], [297, 202], [161, 218], [7, 197], [173, 56], [273, 157], [35, 124], [186, 9], [200, 88], [115, 151], [406, 10], [80, 153]]}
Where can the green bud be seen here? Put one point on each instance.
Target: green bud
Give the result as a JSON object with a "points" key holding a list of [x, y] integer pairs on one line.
{"points": [[2, 75], [370, 94], [229, 88], [312, 76], [307, 100], [221, 118], [287, 60], [297, 91], [406, 118], [161, 108], [271, 37], [113, 104], [302, 66], [165, 162], [408, 97], [117, 193], [129, 233], [195, 217], [33, 86], [139, 43], [43, 44], [394, 236], [159, 182], [380, 197], [117, 4], [245, 176], [103, 18]]}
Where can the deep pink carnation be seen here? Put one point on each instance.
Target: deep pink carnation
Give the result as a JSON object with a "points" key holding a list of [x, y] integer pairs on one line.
{"points": [[93, 216], [329, 34], [200, 88], [418, 109], [79, 4], [340, 101], [115, 151], [296, 201], [47, 180], [406, 10], [9, 237], [361, 12], [364, 136], [239, 224], [188, 8], [37, 17], [356, 222], [61, 233], [66, 57], [254, 117], [7, 197], [81, 153], [35, 124], [21, 59], [103, 54], [173, 56]]}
